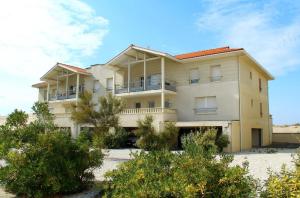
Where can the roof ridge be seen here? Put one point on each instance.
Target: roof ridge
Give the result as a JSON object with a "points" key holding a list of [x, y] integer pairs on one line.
{"points": [[207, 52], [218, 48]]}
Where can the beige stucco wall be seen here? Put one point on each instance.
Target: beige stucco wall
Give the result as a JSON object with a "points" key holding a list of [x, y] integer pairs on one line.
{"points": [[250, 115], [286, 138], [235, 136], [225, 90]]}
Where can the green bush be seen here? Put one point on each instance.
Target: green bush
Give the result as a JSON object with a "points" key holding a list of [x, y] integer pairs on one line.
{"points": [[55, 164], [284, 184], [195, 172], [116, 138], [150, 139]]}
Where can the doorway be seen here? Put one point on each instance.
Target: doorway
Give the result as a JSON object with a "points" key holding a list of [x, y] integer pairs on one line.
{"points": [[256, 138]]}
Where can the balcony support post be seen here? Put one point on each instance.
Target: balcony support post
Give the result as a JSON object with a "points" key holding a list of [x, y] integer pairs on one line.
{"points": [[145, 75], [77, 87], [67, 84], [162, 83], [114, 83], [57, 87], [48, 90], [128, 78]]}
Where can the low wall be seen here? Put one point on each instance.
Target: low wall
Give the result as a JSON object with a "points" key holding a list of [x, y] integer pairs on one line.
{"points": [[286, 138]]}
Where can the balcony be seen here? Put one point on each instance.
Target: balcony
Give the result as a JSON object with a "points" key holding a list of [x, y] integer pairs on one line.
{"points": [[70, 94], [138, 86], [147, 111], [129, 117]]}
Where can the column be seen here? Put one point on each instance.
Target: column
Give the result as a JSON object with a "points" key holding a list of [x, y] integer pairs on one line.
{"points": [[48, 90], [57, 88], [128, 78], [145, 75], [162, 83], [77, 87], [67, 85], [114, 83]]}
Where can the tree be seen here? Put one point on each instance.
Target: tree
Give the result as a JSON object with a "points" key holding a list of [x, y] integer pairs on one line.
{"points": [[43, 115], [102, 117], [17, 119]]}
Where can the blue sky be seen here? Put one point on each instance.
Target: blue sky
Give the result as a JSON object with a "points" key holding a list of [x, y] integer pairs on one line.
{"points": [[87, 32]]}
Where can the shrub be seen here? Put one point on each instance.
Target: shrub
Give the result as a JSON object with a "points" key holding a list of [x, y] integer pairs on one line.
{"points": [[195, 172], [284, 184], [116, 138], [54, 164], [222, 142], [150, 139], [17, 119], [169, 136]]}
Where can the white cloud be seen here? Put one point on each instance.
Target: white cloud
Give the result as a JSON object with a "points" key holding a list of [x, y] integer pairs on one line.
{"points": [[270, 30], [34, 35]]}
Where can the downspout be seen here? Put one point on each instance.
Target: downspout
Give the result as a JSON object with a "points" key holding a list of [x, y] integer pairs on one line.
{"points": [[240, 104]]}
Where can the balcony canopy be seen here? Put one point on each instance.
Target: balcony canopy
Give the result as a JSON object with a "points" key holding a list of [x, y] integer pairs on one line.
{"points": [[134, 54], [63, 69]]}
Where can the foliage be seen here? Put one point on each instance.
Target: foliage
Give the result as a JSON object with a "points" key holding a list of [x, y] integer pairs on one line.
{"points": [[116, 138], [150, 139], [15, 133], [17, 119], [284, 184], [102, 117], [222, 142], [195, 172], [53, 164], [43, 115], [169, 136]]}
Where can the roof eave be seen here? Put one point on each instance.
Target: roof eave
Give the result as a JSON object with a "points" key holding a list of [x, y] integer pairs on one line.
{"points": [[269, 75]]}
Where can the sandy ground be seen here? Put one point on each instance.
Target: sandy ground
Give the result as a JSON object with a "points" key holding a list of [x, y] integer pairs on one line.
{"points": [[259, 163], [286, 129]]}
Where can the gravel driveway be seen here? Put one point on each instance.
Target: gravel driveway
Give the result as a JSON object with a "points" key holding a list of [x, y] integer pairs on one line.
{"points": [[259, 162]]}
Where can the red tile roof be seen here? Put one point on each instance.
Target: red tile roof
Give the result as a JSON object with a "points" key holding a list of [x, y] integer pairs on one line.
{"points": [[73, 68], [207, 52]]}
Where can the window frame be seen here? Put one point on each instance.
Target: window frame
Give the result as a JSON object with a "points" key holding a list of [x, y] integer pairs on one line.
{"points": [[215, 78], [196, 80], [206, 109]]}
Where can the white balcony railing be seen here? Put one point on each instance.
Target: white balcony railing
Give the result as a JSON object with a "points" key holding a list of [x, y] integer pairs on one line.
{"points": [[147, 111], [137, 86]]}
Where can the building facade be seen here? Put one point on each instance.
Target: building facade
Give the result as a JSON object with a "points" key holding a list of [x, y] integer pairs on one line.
{"points": [[224, 88]]}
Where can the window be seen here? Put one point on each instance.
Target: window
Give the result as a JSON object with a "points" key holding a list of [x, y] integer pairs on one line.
{"points": [[259, 83], [261, 110], [109, 84], [194, 76], [215, 73], [151, 104], [251, 75], [252, 102], [96, 86], [138, 105], [206, 104]]}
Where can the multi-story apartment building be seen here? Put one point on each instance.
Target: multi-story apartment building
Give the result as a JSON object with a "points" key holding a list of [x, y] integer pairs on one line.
{"points": [[225, 88]]}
